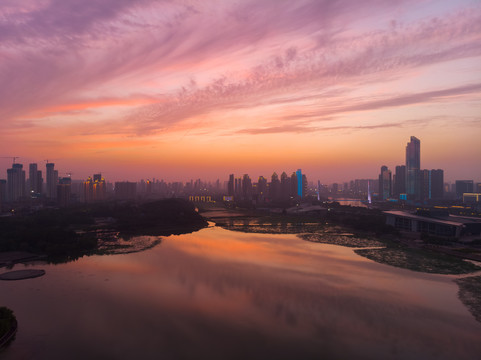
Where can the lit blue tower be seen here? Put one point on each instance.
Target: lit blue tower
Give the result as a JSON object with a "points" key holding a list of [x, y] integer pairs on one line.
{"points": [[299, 182]]}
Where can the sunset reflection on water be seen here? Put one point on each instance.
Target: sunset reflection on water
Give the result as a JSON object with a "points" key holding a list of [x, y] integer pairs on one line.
{"points": [[226, 294]]}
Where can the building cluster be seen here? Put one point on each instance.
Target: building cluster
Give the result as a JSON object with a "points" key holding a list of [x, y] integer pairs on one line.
{"points": [[410, 182], [263, 191]]}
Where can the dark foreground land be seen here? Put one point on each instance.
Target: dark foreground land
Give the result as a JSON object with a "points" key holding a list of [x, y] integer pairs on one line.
{"points": [[66, 234], [8, 326]]}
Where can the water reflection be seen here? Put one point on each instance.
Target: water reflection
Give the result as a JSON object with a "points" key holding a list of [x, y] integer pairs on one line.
{"points": [[223, 294]]}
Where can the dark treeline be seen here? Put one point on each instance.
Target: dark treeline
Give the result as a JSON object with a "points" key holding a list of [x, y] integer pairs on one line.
{"points": [[70, 232]]}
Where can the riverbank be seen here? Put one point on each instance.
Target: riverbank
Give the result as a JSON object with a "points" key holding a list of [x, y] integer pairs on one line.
{"points": [[8, 326]]}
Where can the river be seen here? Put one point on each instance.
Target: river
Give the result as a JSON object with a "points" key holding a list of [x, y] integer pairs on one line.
{"points": [[219, 294]]}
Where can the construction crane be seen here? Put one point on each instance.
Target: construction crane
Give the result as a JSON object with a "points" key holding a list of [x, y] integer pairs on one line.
{"points": [[11, 157]]}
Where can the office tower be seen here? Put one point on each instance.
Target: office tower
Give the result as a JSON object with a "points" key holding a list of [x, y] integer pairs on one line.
{"points": [[385, 180], [285, 186], [293, 191], [64, 191], [52, 180], [413, 166], [463, 186], [246, 187], [32, 179], [425, 184], [274, 187], [477, 188], [15, 182], [230, 185], [304, 185], [299, 182], [262, 187], [3, 192], [437, 184], [400, 181]]}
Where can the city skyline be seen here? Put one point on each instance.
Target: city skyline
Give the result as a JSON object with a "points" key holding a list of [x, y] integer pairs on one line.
{"points": [[180, 90]]}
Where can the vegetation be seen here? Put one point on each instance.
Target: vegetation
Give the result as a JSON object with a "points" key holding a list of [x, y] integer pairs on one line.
{"points": [[419, 260], [470, 294], [66, 234], [7, 321]]}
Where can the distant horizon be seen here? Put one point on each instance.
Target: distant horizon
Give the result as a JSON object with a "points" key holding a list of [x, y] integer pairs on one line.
{"points": [[184, 90]]}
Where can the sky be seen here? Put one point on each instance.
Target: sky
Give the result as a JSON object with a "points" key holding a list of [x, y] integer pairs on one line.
{"points": [[179, 90]]}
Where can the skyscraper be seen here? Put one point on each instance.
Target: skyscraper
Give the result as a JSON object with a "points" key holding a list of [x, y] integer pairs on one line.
{"points": [[400, 181], [299, 182], [413, 166], [15, 182], [52, 180], [385, 179], [34, 179]]}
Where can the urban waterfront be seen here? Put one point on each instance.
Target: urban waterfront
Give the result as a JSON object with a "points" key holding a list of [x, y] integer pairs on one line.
{"points": [[226, 294]]}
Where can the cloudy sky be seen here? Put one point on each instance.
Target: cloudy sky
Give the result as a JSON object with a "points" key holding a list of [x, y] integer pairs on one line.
{"points": [[188, 89]]}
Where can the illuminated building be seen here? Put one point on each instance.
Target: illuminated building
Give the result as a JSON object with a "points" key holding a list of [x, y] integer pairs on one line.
{"points": [[299, 183], [94, 190]]}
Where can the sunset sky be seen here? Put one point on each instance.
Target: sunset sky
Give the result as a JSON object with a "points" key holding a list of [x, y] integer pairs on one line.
{"points": [[201, 89]]}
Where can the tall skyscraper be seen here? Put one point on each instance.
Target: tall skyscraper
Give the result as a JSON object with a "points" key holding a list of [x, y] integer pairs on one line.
{"points": [[299, 182], [34, 179], [230, 185], [52, 180], [413, 166], [437, 184], [385, 181], [399, 181], [15, 182]]}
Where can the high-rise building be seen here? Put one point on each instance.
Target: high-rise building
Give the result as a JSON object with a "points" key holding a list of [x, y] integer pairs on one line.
{"points": [[285, 186], [274, 187], [64, 191], [230, 185], [52, 180], [299, 183], [385, 183], [15, 182], [399, 181], [437, 184], [413, 166], [463, 186], [35, 180], [3, 192]]}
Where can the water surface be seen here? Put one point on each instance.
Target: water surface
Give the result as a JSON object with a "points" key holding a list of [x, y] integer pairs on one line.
{"points": [[231, 295]]}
